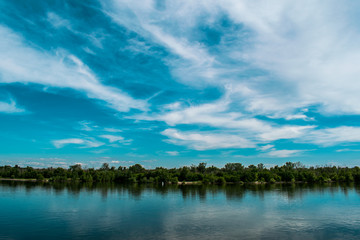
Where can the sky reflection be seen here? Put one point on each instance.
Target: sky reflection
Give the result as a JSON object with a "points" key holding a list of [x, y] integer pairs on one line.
{"points": [[179, 212]]}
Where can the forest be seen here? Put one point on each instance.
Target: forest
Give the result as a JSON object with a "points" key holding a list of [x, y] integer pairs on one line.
{"points": [[200, 174]]}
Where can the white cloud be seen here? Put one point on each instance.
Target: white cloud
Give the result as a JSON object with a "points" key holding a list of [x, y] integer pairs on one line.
{"points": [[10, 107], [122, 162], [333, 136], [113, 130], [181, 47], [21, 63], [117, 161], [299, 116], [84, 143], [211, 114], [62, 142], [58, 21], [284, 153], [87, 126], [171, 29], [267, 28], [112, 138], [310, 47], [172, 153], [266, 147], [286, 132], [219, 115], [347, 150], [216, 114], [206, 140]]}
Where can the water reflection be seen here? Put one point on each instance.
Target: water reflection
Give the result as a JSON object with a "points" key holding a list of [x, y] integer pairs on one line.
{"points": [[114, 211], [202, 192]]}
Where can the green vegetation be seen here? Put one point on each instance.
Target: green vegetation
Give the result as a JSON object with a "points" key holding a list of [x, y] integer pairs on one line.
{"points": [[230, 173]]}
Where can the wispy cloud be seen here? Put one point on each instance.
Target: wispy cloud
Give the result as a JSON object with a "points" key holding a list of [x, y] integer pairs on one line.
{"points": [[333, 136], [310, 63], [206, 140], [285, 132], [281, 41], [57, 21], [219, 115], [116, 138], [313, 53], [284, 153], [122, 162], [87, 126], [21, 63], [172, 153], [215, 114], [84, 143], [347, 150], [266, 147], [10, 107], [190, 59], [112, 130]]}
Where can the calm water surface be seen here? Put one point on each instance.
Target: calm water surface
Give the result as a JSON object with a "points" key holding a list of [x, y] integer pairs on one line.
{"points": [[95, 211]]}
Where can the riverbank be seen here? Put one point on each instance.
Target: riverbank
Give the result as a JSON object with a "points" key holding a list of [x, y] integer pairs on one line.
{"points": [[170, 183], [23, 180]]}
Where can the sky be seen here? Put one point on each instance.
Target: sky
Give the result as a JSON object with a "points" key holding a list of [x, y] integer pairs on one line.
{"points": [[174, 83]]}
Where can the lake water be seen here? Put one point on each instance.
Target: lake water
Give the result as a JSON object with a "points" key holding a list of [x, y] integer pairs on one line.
{"points": [[111, 211]]}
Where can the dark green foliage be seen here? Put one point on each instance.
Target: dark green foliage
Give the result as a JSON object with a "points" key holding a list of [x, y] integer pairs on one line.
{"points": [[232, 172], [233, 167], [40, 177], [220, 180], [137, 168]]}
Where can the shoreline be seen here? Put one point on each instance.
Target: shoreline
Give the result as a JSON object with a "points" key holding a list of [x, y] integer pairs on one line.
{"points": [[169, 183], [22, 180]]}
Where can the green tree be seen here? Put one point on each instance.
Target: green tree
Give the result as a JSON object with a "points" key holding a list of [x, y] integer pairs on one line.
{"points": [[137, 168], [105, 167], [201, 167], [233, 167]]}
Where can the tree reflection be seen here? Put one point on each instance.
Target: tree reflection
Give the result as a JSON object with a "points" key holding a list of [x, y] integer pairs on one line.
{"points": [[194, 192]]}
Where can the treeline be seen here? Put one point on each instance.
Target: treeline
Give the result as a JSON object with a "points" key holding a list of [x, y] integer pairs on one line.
{"points": [[230, 173]]}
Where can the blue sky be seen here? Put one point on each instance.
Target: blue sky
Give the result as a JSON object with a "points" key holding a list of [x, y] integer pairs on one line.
{"points": [[173, 83]]}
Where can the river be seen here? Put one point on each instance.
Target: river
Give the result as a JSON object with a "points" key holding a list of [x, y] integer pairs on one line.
{"points": [[113, 211]]}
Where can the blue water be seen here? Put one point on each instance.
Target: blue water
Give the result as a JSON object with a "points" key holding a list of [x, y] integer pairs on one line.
{"points": [[95, 211]]}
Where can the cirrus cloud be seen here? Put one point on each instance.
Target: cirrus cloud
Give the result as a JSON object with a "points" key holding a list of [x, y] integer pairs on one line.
{"points": [[84, 143], [11, 107], [24, 64]]}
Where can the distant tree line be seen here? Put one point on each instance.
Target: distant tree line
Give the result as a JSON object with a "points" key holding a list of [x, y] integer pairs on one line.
{"points": [[230, 173]]}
